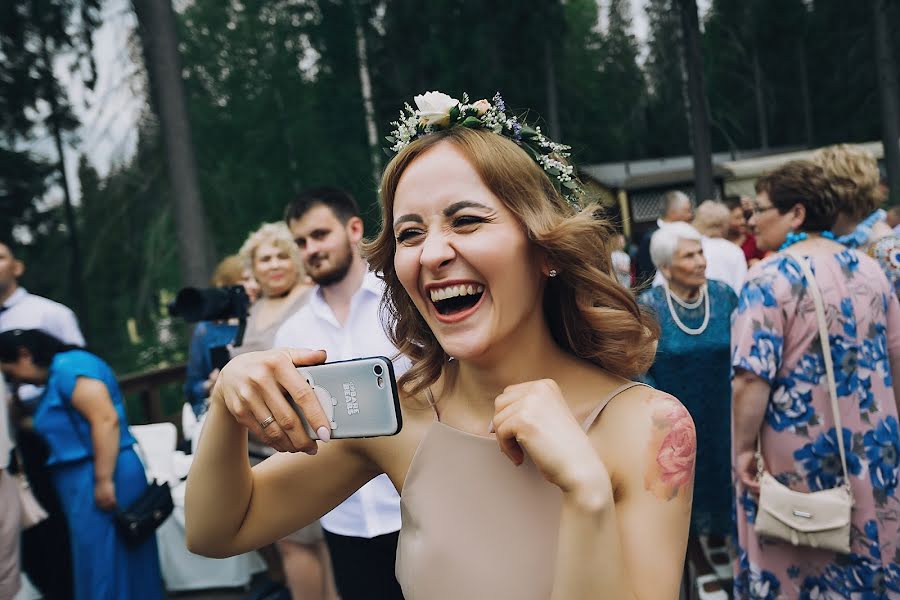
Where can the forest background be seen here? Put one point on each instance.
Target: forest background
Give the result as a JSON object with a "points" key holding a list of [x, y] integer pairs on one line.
{"points": [[275, 103]]}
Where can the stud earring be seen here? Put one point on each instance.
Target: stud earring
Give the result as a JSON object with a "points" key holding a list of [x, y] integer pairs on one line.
{"points": [[553, 273]]}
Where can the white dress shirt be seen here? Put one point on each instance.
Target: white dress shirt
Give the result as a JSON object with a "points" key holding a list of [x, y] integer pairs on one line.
{"points": [[28, 311], [6, 440], [725, 262], [375, 508]]}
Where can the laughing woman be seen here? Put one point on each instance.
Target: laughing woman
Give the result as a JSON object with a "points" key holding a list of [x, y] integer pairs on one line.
{"points": [[529, 465]]}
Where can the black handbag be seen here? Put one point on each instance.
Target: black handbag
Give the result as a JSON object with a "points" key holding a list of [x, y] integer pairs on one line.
{"points": [[139, 520]]}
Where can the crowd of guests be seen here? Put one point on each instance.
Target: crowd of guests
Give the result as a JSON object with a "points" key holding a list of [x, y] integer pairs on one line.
{"points": [[629, 437], [744, 356]]}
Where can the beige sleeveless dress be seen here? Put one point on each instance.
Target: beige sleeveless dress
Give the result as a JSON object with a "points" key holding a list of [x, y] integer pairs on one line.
{"points": [[475, 525]]}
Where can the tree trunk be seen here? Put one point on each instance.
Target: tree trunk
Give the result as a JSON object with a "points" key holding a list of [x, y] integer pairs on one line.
{"points": [[761, 119], [698, 108], [156, 21], [288, 142], [890, 98], [804, 94], [76, 269], [552, 98], [366, 86]]}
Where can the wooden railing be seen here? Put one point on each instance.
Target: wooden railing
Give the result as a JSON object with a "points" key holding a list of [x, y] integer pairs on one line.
{"points": [[147, 386]]}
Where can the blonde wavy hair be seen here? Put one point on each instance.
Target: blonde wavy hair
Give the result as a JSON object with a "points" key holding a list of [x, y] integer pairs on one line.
{"points": [[276, 234], [854, 177], [589, 313]]}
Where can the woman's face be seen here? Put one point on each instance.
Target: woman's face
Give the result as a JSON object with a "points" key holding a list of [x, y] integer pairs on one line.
{"points": [[769, 226], [23, 370], [273, 269], [462, 256], [688, 268], [737, 224], [251, 286]]}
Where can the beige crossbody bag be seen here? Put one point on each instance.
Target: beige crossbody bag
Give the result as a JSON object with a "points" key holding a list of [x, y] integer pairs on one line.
{"points": [[816, 519]]}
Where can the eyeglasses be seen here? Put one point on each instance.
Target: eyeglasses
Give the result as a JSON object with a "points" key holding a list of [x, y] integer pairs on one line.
{"points": [[756, 210]]}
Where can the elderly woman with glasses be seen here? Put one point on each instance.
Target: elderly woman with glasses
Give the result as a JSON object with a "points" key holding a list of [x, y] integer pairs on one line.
{"points": [[782, 403], [692, 363]]}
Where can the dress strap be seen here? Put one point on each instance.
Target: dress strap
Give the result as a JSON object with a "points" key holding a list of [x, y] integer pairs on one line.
{"points": [[586, 425], [432, 403]]}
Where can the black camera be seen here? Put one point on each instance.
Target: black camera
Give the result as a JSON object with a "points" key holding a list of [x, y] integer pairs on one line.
{"points": [[214, 304], [210, 304]]}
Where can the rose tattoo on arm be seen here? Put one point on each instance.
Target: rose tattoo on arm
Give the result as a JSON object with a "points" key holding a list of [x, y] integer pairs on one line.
{"points": [[671, 452]]}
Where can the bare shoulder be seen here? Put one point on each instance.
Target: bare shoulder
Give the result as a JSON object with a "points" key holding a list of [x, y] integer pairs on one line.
{"points": [[647, 436]]}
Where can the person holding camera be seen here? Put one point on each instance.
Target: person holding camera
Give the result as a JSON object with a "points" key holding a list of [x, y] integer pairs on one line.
{"points": [[530, 466], [202, 370], [92, 462]]}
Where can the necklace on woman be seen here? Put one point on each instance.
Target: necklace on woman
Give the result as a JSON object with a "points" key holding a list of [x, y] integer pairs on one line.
{"points": [[794, 237], [704, 298]]}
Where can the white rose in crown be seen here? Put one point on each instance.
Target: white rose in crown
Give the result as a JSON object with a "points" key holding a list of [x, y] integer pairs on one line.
{"points": [[434, 108]]}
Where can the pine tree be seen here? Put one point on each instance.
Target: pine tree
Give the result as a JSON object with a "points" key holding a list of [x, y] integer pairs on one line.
{"points": [[667, 126]]}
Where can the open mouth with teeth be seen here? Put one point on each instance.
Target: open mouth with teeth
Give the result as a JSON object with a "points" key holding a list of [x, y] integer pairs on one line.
{"points": [[456, 298]]}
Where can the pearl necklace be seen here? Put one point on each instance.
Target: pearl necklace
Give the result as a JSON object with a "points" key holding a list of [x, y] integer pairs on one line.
{"points": [[704, 298]]}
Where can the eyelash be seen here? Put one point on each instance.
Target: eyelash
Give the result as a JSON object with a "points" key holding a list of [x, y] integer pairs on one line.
{"points": [[462, 221]]}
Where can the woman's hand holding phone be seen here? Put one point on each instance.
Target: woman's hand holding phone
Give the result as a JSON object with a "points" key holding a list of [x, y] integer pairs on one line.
{"points": [[252, 388]]}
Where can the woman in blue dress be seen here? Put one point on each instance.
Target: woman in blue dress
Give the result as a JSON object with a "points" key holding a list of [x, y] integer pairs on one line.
{"points": [[93, 465], [693, 364]]}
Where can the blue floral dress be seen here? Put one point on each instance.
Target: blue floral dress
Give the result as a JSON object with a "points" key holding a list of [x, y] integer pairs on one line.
{"points": [[775, 336], [696, 370]]}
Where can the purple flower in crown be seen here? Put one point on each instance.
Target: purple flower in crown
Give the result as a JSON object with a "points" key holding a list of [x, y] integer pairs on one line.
{"points": [[517, 130], [498, 102]]}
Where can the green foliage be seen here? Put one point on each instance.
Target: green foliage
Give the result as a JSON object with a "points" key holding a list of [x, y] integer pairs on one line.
{"points": [[275, 103], [32, 35], [667, 125]]}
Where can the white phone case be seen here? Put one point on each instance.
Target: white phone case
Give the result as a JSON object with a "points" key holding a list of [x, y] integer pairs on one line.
{"points": [[359, 397]]}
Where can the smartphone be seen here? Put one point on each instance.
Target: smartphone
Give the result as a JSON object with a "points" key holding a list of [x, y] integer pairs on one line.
{"points": [[219, 356], [359, 397]]}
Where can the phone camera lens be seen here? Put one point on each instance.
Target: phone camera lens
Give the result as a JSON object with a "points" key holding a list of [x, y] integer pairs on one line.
{"points": [[378, 370]]}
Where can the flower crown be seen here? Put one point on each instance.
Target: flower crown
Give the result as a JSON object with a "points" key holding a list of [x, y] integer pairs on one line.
{"points": [[436, 111]]}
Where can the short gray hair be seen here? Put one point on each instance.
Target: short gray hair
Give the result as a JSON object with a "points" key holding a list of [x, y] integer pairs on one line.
{"points": [[711, 218], [664, 242], [673, 198]]}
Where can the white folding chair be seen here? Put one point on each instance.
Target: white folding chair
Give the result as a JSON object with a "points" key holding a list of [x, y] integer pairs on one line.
{"points": [[156, 447], [188, 421]]}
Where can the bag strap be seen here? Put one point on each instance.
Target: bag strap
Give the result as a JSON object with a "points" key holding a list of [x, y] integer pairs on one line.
{"points": [[813, 288]]}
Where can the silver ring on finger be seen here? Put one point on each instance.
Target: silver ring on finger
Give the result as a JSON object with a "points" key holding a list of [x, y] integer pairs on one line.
{"points": [[266, 422]]}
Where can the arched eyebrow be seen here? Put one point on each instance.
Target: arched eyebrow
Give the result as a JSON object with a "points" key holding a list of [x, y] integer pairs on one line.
{"points": [[448, 212]]}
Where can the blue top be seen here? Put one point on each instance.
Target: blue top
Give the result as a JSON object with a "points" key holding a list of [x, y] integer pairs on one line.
{"points": [[66, 431], [207, 335], [696, 369]]}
